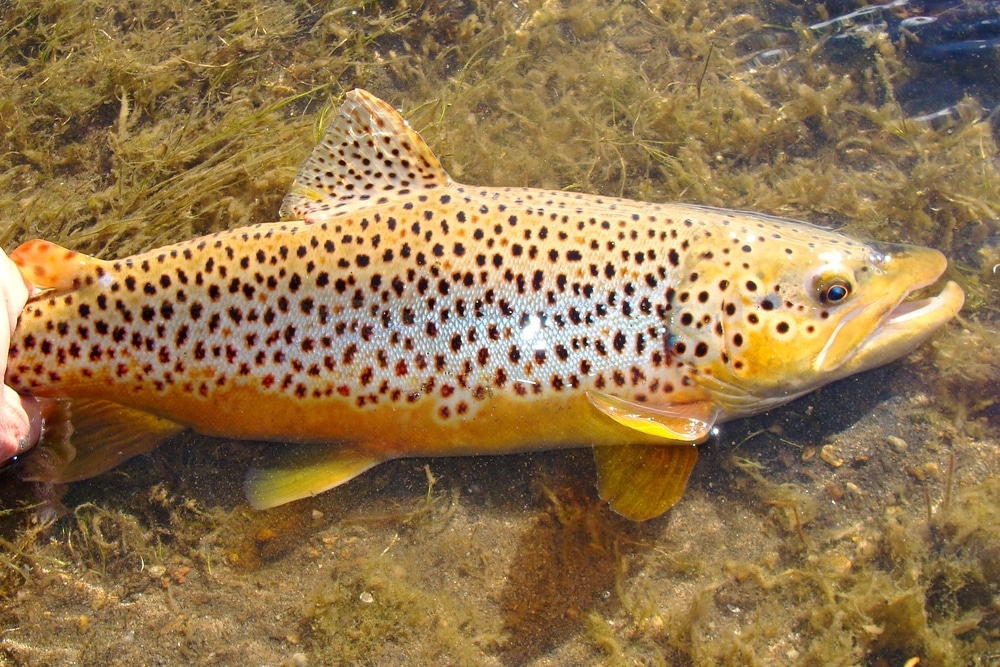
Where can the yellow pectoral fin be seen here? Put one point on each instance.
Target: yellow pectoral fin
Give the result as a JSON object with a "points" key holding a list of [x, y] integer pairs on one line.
{"points": [[306, 471], [642, 482], [687, 422]]}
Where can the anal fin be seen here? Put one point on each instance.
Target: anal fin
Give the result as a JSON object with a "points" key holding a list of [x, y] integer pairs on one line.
{"points": [[642, 482], [86, 437], [305, 471]]}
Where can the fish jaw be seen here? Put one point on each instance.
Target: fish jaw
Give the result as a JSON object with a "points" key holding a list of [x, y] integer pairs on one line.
{"points": [[882, 330], [904, 329]]}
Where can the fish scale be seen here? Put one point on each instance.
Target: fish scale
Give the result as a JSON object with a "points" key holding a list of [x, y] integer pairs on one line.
{"points": [[395, 312]]}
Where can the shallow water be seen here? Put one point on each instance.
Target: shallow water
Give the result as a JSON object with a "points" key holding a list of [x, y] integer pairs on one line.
{"points": [[858, 525]]}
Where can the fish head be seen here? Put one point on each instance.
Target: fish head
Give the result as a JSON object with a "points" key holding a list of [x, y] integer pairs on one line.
{"points": [[791, 307]]}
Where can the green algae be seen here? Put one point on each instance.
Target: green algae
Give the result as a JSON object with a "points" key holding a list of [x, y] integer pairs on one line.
{"points": [[130, 124]]}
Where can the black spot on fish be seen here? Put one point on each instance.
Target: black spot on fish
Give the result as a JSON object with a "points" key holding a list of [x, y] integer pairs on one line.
{"points": [[619, 342]]}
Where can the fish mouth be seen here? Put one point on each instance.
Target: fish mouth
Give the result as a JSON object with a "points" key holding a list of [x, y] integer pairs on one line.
{"points": [[906, 327], [922, 309]]}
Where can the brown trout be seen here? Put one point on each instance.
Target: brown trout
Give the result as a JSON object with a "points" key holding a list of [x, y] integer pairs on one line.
{"points": [[394, 312]]}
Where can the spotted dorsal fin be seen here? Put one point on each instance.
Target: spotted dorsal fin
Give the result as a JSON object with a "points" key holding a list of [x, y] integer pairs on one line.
{"points": [[369, 152]]}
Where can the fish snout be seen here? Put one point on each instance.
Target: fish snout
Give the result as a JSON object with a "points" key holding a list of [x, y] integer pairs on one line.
{"points": [[922, 266]]}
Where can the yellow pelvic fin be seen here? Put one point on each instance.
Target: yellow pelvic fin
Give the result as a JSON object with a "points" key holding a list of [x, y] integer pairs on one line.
{"points": [[687, 422], [368, 152], [48, 266], [84, 438], [642, 482], [306, 471]]}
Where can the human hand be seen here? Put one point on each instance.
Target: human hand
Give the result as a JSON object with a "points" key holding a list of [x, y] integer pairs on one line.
{"points": [[20, 416]]}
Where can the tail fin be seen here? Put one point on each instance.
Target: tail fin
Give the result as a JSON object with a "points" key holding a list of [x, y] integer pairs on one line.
{"points": [[107, 435], [85, 437], [48, 266]]}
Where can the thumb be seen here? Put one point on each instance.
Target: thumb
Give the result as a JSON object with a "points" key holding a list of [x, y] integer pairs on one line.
{"points": [[20, 423]]}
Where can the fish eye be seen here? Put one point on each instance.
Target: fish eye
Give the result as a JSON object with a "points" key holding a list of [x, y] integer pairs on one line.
{"points": [[833, 291]]}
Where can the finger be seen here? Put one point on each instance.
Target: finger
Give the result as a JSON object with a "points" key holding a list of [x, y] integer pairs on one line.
{"points": [[16, 431], [14, 290], [35, 409]]}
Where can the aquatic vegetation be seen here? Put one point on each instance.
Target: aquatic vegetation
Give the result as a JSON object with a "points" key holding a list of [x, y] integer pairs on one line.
{"points": [[132, 124]]}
